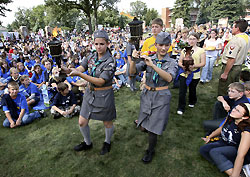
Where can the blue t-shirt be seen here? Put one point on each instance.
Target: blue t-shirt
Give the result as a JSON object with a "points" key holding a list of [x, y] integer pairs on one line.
{"points": [[64, 101], [20, 102], [71, 79], [28, 64], [25, 72], [120, 63], [124, 55], [4, 75], [38, 80], [31, 89]]}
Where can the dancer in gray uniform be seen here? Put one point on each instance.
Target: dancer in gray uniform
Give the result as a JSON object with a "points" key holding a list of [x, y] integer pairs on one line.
{"points": [[155, 97], [98, 101]]}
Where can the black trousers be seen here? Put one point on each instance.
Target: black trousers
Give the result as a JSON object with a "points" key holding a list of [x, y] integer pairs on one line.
{"points": [[183, 91]]}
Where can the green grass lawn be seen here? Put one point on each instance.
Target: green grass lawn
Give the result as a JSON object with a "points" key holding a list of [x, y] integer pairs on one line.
{"points": [[45, 147]]}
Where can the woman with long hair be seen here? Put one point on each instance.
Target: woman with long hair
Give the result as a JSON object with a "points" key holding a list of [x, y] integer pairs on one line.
{"points": [[4, 72], [37, 77], [231, 152], [21, 69], [212, 45]]}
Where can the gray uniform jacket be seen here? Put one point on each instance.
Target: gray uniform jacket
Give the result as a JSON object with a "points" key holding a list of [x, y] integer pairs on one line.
{"points": [[154, 106], [100, 104]]}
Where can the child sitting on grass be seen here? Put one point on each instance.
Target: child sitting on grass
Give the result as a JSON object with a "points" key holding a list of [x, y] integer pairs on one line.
{"points": [[16, 109], [225, 104], [31, 90], [14, 76], [64, 103]]}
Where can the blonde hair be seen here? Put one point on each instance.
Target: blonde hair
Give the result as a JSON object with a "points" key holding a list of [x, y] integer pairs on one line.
{"points": [[237, 86], [13, 84]]}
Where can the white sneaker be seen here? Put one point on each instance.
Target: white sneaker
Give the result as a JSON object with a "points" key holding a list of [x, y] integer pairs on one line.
{"points": [[191, 105], [179, 112]]}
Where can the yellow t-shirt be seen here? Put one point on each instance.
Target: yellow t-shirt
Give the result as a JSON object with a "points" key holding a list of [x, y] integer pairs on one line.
{"points": [[197, 59], [149, 45]]}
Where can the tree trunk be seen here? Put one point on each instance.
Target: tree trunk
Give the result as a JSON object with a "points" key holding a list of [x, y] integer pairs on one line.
{"points": [[90, 24], [96, 23]]}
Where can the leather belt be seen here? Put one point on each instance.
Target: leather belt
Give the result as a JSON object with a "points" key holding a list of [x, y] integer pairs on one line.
{"points": [[100, 88], [155, 88]]}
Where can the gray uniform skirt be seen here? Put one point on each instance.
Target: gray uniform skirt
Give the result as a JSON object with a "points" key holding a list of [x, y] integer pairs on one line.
{"points": [[154, 110], [98, 105]]}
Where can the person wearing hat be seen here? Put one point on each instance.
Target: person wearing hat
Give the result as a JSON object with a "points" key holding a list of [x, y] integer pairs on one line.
{"points": [[155, 97], [98, 101], [231, 152]]}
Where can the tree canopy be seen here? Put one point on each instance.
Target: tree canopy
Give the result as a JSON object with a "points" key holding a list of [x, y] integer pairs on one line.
{"points": [[182, 10]]}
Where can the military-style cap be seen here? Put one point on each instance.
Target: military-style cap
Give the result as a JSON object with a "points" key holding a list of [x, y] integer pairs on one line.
{"points": [[163, 38], [101, 34]]}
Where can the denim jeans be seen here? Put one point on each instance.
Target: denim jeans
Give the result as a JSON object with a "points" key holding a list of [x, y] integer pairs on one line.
{"points": [[123, 78], [27, 118], [207, 70], [183, 90], [220, 154]]}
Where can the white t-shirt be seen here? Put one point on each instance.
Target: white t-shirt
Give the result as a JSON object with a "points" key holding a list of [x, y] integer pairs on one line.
{"points": [[208, 43]]}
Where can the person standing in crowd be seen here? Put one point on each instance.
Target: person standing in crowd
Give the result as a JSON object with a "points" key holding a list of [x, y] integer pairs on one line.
{"points": [[98, 101], [155, 97], [211, 45], [149, 45], [231, 152], [233, 56], [190, 79]]}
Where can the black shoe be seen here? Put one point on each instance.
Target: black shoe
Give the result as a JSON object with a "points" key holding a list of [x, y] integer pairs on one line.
{"points": [[148, 156], [105, 148], [83, 146], [42, 113], [56, 116]]}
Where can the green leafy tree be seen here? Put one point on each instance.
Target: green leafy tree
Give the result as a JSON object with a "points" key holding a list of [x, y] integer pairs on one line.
{"points": [[138, 9], [232, 9], [204, 12], [182, 10], [110, 17], [150, 15], [37, 18], [104, 4], [88, 7], [65, 5]]}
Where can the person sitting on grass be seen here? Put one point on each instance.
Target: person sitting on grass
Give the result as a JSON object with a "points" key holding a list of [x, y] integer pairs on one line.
{"points": [[64, 103], [16, 109], [31, 90], [14, 76], [38, 76], [21, 69], [231, 152], [225, 104]]}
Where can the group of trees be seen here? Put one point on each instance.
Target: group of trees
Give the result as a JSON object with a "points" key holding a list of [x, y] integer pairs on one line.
{"points": [[210, 10], [77, 14]]}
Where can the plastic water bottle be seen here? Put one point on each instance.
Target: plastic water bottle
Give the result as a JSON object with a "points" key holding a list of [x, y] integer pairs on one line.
{"points": [[45, 95]]}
